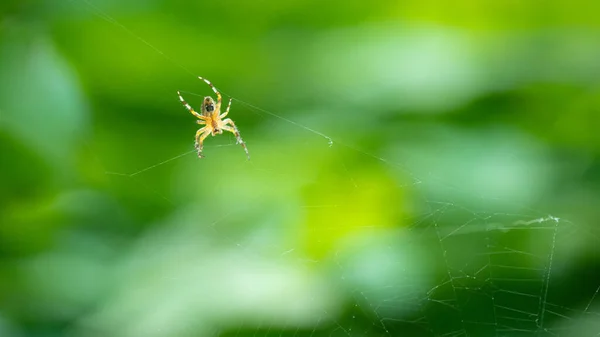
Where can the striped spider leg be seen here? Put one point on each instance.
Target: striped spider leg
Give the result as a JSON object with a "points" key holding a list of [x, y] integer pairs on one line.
{"points": [[211, 118]]}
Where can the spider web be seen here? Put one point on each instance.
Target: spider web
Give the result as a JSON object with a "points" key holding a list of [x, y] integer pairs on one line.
{"points": [[445, 265]]}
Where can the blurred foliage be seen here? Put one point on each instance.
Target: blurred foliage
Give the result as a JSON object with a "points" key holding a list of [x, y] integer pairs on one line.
{"points": [[419, 168]]}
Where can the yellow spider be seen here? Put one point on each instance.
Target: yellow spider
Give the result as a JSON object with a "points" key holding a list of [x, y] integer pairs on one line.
{"points": [[212, 119]]}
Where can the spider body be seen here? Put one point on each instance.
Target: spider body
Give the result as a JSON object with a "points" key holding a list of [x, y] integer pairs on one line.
{"points": [[208, 110], [212, 120]]}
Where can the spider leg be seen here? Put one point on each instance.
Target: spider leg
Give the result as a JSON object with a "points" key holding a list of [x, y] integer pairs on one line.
{"points": [[226, 111], [201, 134], [233, 129], [214, 89], [190, 109]]}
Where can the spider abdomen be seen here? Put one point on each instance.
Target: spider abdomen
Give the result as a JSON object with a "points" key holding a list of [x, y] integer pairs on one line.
{"points": [[208, 106]]}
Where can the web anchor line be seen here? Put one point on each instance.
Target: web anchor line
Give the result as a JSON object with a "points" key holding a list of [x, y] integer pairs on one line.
{"points": [[329, 139]]}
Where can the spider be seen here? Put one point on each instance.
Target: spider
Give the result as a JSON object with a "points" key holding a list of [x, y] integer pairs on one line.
{"points": [[212, 119]]}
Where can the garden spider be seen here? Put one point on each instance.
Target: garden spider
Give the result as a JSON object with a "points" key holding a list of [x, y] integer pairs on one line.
{"points": [[212, 119]]}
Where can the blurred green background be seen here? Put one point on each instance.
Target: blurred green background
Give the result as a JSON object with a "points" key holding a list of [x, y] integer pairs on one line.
{"points": [[419, 168]]}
